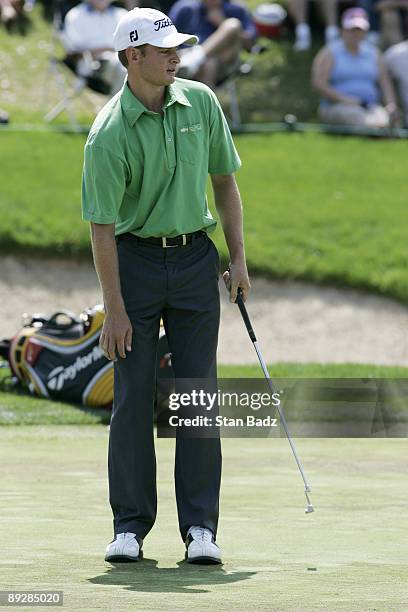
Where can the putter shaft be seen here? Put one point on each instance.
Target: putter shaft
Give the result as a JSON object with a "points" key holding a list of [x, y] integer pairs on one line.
{"points": [[252, 336]]}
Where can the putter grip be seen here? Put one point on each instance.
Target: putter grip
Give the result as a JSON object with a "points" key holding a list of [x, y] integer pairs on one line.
{"points": [[244, 314]]}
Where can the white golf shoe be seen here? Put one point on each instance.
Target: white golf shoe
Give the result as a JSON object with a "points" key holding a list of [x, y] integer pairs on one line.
{"points": [[125, 547], [201, 546]]}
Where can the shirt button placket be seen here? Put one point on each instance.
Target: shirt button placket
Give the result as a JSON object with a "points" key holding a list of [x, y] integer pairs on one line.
{"points": [[170, 145]]}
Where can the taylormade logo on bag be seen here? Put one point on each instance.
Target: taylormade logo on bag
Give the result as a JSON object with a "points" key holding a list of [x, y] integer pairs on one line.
{"points": [[58, 376]]}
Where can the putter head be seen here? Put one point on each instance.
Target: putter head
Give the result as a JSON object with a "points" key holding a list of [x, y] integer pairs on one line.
{"points": [[309, 509]]}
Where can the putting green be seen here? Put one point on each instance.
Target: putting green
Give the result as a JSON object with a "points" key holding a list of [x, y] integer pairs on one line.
{"points": [[56, 522]]}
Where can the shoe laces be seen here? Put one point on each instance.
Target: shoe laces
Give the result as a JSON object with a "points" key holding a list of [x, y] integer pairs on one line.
{"points": [[125, 536], [202, 534]]}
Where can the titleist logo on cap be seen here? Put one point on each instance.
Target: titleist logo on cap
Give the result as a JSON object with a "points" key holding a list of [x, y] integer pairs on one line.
{"points": [[162, 23]]}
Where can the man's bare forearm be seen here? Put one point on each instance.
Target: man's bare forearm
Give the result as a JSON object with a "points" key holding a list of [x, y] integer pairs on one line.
{"points": [[106, 264], [229, 207]]}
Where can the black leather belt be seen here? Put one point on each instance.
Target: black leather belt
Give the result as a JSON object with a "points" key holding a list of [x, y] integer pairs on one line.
{"points": [[165, 242]]}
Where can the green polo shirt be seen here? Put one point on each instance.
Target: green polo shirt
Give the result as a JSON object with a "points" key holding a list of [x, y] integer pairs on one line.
{"points": [[147, 173]]}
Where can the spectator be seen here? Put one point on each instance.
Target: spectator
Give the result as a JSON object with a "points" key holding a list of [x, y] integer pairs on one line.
{"points": [[393, 18], [224, 29], [352, 77], [303, 37], [10, 11], [88, 32], [396, 59]]}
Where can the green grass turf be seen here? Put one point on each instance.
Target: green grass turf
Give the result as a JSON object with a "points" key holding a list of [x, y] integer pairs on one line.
{"points": [[56, 522], [329, 210], [40, 210], [23, 409]]}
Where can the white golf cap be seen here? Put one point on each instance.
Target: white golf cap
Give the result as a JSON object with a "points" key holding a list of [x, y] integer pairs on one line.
{"points": [[145, 25]]}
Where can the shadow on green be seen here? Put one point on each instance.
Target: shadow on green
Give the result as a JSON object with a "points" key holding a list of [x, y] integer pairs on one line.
{"points": [[145, 576]]}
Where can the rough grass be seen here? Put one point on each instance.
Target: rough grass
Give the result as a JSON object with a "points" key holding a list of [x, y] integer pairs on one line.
{"points": [[40, 209], [329, 210], [56, 522]]}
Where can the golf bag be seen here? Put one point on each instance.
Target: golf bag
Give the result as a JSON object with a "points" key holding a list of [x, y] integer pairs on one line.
{"points": [[59, 357]]}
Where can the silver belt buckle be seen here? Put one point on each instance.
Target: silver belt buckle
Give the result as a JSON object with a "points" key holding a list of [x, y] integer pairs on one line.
{"points": [[172, 246], [167, 246]]}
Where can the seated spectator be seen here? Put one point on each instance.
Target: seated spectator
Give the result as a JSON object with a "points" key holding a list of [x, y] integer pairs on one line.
{"points": [[88, 32], [10, 11], [393, 20], [303, 37], [352, 78], [224, 29], [396, 59]]}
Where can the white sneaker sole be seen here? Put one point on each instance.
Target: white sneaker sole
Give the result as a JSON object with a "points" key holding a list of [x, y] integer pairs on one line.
{"points": [[203, 560], [123, 558]]}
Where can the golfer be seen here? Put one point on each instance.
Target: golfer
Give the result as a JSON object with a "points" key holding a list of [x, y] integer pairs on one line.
{"points": [[147, 160]]}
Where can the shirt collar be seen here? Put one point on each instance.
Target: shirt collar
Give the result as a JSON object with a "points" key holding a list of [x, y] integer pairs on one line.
{"points": [[133, 108], [175, 94]]}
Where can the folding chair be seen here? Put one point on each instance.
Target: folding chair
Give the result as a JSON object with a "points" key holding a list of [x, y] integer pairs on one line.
{"points": [[57, 71]]}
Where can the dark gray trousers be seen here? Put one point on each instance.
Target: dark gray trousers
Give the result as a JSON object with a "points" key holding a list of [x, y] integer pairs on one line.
{"points": [[179, 284]]}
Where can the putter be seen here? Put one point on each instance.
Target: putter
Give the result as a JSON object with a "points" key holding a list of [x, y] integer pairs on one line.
{"points": [[309, 508]]}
